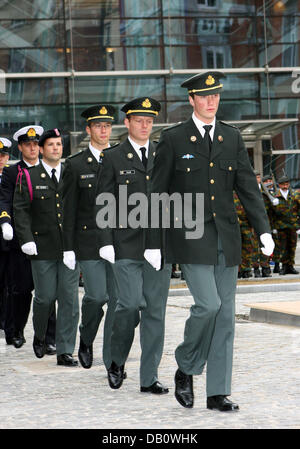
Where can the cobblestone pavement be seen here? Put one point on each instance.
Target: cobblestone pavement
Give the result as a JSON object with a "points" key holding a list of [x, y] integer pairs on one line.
{"points": [[38, 394]]}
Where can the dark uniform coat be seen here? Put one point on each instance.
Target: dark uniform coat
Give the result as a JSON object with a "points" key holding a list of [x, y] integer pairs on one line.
{"points": [[80, 180], [40, 220], [182, 164], [123, 167]]}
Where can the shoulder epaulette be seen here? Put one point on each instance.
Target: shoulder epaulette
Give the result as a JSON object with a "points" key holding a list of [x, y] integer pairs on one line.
{"points": [[228, 124], [74, 155], [113, 146], [172, 126]]}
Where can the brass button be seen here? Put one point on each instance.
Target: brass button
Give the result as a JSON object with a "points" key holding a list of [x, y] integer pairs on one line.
{"points": [[230, 168], [42, 197], [58, 205], [90, 185], [57, 195], [84, 227], [211, 164], [60, 225], [188, 170], [214, 214], [212, 181], [147, 177], [36, 233], [59, 215], [127, 181], [212, 198]]}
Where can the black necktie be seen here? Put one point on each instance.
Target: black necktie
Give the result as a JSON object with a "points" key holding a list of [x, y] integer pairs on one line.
{"points": [[207, 138], [53, 177], [144, 159]]}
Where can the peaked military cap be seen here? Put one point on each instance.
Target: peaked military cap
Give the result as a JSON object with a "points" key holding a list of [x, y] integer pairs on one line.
{"points": [[207, 83], [27, 133], [5, 145], [100, 113], [266, 177], [256, 172], [48, 134], [145, 106]]}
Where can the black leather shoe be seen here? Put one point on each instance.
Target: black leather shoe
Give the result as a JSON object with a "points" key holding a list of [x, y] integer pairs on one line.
{"points": [[18, 340], [85, 354], [39, 347], [66, 360], [156, 388], [266, 272], [257, 272], [246, 274], [291, 270], [115, 375], [276, 268], [222, 403], [184, 389], [50, 349], [9, 340]]}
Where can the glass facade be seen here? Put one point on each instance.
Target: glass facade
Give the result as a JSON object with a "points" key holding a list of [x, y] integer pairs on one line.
{"points": [[60, 56]]}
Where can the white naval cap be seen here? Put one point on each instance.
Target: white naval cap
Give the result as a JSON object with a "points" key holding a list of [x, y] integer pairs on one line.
{"points": [[31, 132], [5, 144]]}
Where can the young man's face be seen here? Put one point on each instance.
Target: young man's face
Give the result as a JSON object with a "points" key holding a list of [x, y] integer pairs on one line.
{"points": [[99, 133], [3, 160], [139, 128], [30, 151], [205, 106], [52, 150]]}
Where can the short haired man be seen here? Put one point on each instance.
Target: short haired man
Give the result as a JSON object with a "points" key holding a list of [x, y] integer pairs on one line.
{"points": [[140, 288], [81, 174], [19, 267], [204, 155], [38, 211]]}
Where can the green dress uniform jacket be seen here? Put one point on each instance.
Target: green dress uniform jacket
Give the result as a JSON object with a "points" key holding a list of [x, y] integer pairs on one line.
{"points": [[80, 180], [40, 220], [183, 164], [125, 170]]}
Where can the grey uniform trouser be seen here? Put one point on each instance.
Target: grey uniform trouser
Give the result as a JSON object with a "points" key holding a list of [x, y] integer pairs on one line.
{"points": [[209, 330], [140, 290], [54, 281], [99, 289]]}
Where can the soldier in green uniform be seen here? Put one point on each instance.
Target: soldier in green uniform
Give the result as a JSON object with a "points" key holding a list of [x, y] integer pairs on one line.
{"points": [[80, 177], [286, 222], [205, 155], [38, 213], [140, 288], [247, 239], [260, 259]]}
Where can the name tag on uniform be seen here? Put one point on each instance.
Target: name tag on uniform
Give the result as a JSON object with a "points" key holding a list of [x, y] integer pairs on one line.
{"points": [[88, 176], [127, 172], [41, 187]]}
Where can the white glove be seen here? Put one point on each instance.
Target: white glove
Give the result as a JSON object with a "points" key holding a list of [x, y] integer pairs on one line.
{"points": [[7, 231], [29, 248], [298, 231], [108, 253], [153, 256], [268, 244], [275, 202], [69, 259]]}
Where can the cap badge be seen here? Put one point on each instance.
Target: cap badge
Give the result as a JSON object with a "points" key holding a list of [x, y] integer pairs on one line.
{"points": [[193, 138], [130, 155], [56, 132], [103, 110], [210, 81], [31, 132], [146, 103], [220, 138], [1, 144], [101, 154]]}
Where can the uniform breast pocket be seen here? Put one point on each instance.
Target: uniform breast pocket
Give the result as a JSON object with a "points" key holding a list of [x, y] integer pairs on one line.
{"points": [[128, 179], [188, 173], [228, 169], [41, 195]]}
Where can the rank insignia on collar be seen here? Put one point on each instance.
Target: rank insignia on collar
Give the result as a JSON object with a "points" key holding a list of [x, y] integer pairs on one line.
{"points": [[220, 138], [193, 138], [130, 155], [89, 160], [187, 156]]}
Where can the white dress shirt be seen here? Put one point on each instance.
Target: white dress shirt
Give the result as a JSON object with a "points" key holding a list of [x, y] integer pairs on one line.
{"points": [[49, 169], [200, 125], [95, 152], [137, 147]]}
